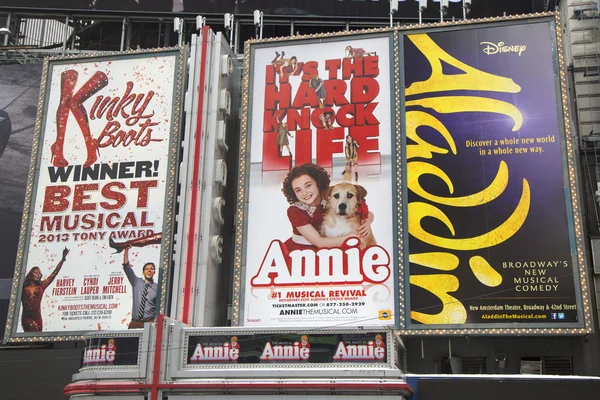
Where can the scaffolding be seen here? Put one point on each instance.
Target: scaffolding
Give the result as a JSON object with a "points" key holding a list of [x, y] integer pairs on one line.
{"points": [[581, 25]]}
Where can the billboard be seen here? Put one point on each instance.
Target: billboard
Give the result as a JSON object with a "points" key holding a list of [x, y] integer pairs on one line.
{"points": [[317, 246], [94, 245], [493, 230], [19, 94]]}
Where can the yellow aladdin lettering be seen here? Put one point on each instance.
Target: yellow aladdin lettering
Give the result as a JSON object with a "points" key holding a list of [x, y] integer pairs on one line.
{"points": [[441, 285], [471, 79]]}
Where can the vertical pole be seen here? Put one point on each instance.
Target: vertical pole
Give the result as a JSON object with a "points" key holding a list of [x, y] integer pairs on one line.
{"points": [[8, 26], [261, 24], [128, 35], [160, 24], [292, 29], [23, 30], [65, 35], [123, 25], [230, 22], [168, 29], [43, 33], [73, 35], [237, 36]]}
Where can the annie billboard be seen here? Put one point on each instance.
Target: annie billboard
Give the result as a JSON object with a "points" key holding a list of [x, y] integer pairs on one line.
{"points": [[318, 248], [95, 238], [492, 221]]}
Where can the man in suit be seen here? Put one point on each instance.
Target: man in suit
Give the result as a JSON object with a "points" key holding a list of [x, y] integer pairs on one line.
{"points": [[145, 290]]}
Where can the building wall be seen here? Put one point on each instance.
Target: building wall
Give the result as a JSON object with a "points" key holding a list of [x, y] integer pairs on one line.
{"points": [[521, 389], [425, 355], [38, 373]]}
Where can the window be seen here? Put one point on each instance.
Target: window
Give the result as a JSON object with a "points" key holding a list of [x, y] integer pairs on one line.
{"points": [[547, 365], [464, 365]]}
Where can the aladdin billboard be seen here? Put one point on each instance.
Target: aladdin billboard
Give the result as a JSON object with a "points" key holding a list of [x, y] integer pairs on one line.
{"points": [[492, 219], [318, 247], [95, 238]]}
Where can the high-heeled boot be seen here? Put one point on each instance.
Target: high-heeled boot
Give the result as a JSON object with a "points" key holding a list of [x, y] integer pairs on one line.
{"points": [[138, 242], [98, 81], [68, 79]]}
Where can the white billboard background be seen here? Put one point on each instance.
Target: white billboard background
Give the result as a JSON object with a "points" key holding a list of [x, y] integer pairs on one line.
{"points": [[92, 257], [267, 207]]}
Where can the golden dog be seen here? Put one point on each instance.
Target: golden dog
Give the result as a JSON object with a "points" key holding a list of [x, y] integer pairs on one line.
{"points": [[341, 216]]}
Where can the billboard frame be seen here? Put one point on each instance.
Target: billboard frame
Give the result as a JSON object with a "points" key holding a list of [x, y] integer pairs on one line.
{"points": [[573, 211], [166, 255], [241, 212]]}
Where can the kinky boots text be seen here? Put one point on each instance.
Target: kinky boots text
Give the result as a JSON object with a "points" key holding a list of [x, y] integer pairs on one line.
{"points": [[131, 108]]}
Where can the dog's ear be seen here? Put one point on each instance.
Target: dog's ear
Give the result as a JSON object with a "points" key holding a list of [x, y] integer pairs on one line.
{"points": [[326, 192], [362, 192]]}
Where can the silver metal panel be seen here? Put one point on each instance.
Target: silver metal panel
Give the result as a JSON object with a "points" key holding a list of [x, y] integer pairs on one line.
{"points": [[596, 255]]}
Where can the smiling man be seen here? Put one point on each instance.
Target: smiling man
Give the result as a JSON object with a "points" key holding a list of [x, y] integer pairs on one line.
{"points": [[143, 308]]}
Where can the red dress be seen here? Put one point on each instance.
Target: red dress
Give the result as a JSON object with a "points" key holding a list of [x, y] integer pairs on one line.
{"points": [[301, 214]]}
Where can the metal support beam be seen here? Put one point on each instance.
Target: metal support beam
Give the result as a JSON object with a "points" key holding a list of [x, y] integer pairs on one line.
{"points": [[123, 28], [65, 35], [6, 37]]}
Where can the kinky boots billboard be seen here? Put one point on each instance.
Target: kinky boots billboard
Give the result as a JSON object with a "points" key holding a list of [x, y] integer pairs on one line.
{"points": [[95, 238]]}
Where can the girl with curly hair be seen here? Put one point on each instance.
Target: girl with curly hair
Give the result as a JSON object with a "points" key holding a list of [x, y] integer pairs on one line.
{"points": [[303, 188]]}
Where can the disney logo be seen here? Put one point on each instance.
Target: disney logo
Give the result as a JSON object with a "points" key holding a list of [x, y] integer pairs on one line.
{"points": [[493, 48]]}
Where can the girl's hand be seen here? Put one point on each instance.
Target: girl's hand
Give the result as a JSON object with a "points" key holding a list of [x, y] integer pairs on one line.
{"points": [[364, 229]]}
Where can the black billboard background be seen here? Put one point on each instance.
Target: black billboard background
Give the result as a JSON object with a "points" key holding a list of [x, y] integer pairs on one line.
{"points": [[19, 94], [545, 234], [297, 8], [322, 346]]}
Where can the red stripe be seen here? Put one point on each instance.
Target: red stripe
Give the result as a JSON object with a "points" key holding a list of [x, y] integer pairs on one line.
{"points": [[160, 324], [195, 198], [131, 387]]}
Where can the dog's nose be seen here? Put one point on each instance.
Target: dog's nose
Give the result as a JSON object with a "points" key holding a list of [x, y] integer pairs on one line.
{"points": [[342, 206]]}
